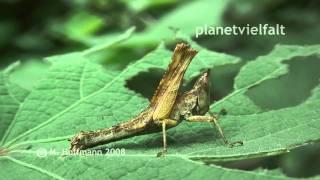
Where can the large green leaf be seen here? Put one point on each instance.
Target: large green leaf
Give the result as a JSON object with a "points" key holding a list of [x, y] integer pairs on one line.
{"points": [[76, 93]]}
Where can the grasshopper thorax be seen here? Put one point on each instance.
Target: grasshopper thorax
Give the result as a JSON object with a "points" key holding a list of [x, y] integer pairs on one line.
{"points": [[194, 101]]}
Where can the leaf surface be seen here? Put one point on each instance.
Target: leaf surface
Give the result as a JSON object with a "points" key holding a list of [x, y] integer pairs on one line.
{"points": [[76, 93]]}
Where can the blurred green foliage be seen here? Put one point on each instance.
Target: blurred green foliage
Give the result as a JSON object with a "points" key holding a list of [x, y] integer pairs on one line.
{"points": [[33, 29]]}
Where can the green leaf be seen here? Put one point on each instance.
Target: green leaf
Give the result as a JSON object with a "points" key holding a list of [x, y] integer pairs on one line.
{"points": [[141, 5], [126, 167], [11, 97], [203, 12], [28, 73], [255, 72], [80, 26], [111, 37], [76, 93]]}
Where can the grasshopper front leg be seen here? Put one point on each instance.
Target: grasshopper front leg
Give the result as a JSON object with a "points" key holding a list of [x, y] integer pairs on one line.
{"points": [[213, 120]]}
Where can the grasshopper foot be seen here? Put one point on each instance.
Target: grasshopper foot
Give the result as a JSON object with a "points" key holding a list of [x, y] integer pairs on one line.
{"points": [[223, 112], [162, 153], [233, 144]]}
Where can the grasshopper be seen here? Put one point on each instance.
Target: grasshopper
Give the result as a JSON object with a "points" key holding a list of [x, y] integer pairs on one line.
{"points": [[167, 108]]}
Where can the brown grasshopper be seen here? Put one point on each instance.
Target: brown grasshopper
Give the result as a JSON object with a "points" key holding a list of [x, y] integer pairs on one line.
{"points": [[167, 109]]}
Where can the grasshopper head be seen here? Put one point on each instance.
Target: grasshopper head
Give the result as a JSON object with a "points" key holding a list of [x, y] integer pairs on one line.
{"points": [[196, 101]]}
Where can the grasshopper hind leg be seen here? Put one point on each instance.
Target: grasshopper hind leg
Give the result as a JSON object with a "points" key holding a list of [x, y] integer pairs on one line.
{"points": [[164, 136], [164, 124]]}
